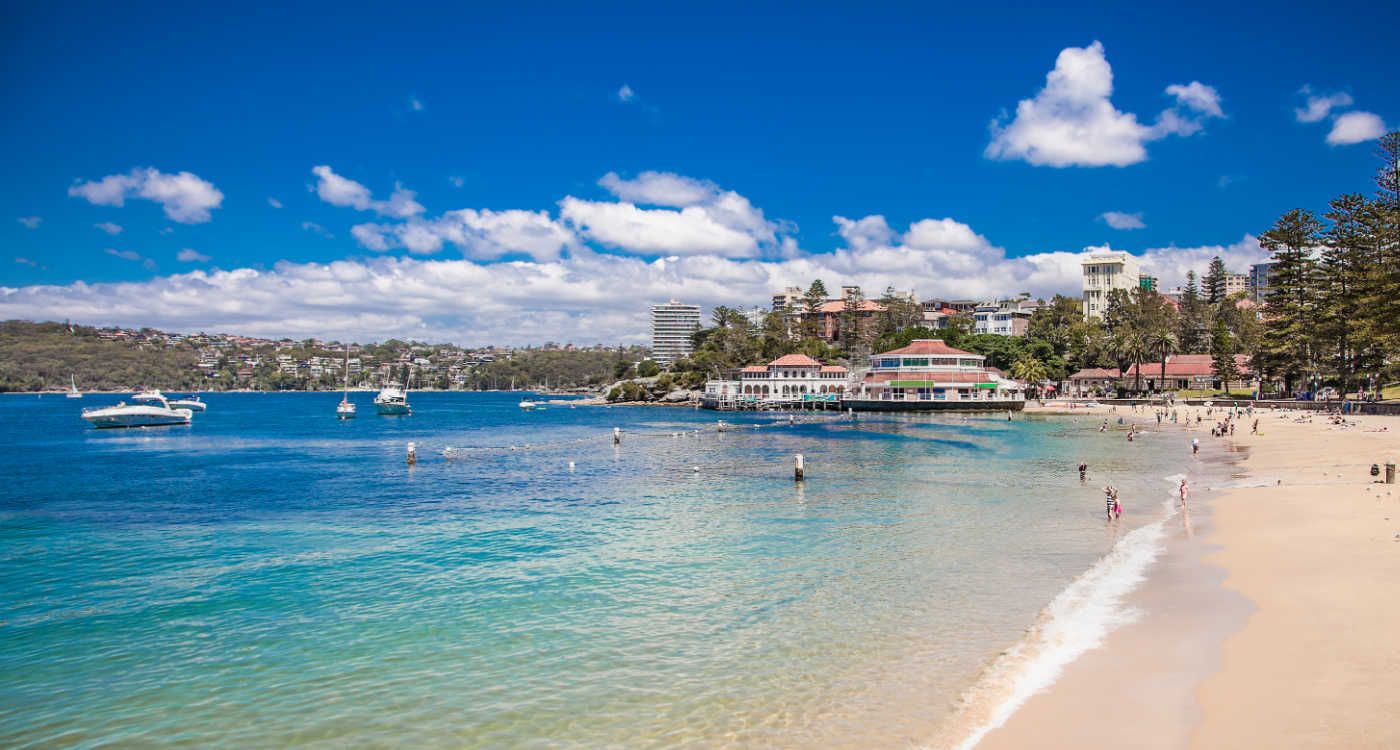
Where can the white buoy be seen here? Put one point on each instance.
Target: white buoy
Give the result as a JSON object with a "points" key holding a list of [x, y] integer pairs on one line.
{"points": [[571, 466], [799, 467], [617, 436]]}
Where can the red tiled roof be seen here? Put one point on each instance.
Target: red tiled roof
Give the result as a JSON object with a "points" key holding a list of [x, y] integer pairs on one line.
{"points": [[755, 368], [1095, 373], [794, 360], [833, 368], [1185, 366], [942, 377], [839, 305], [925, 347]]}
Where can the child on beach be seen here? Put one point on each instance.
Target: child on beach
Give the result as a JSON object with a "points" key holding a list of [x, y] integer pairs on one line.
{"points": [[1195, 446], [1184, 490], [1110, 499], [1083, 470]]}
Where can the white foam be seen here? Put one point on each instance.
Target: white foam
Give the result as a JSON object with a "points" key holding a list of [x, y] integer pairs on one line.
{"points": [[1074, 623]]}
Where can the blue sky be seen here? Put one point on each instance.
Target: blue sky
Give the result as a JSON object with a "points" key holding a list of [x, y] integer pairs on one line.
{"points": [[748, 129]]}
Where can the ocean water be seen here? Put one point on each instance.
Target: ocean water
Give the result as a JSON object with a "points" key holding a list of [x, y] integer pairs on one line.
{"points": [[272, 577]]}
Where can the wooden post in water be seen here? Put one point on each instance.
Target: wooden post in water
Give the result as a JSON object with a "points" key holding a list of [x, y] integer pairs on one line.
{"points": [[412, 455], [799, 468], [617, 436]]}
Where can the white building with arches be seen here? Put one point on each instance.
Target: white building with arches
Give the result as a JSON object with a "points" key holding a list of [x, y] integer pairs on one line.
{"points": [[791, 379]]}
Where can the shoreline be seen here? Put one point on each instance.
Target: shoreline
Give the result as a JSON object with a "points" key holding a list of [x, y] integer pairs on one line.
{"points": [[1266, 621]]}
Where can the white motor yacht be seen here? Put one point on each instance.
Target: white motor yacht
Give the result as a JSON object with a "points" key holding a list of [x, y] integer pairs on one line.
{"points": [[392, 401], [155, 413], [528, 405], [192, 403], [150, 394]]}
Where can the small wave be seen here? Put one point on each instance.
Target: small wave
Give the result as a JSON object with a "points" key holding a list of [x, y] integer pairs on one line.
{"points": [[1075, 622]]}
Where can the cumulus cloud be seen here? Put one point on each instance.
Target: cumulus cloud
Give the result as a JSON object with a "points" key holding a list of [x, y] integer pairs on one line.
{"points": [[109, 228], [30, 222], [1121, 220], [1355, 127], [479, 234], [185, 197], [132, 256], [697, 218], [1072, 122], [342, 191], [626, 94], [190, 255], [583, 296], [1198, 97], [1319, 106]]}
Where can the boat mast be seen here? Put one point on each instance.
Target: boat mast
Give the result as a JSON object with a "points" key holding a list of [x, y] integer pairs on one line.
{"points": [[347, 372]]}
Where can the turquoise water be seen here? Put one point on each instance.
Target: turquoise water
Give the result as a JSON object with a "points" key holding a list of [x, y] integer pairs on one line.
{"points": [[271, 577]]}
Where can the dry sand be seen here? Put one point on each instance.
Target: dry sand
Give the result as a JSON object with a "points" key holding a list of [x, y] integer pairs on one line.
{"points": [[1273, 620]]}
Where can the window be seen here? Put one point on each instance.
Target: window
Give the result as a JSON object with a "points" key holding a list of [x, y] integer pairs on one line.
{"points": [[916, 361], [890, 363]]}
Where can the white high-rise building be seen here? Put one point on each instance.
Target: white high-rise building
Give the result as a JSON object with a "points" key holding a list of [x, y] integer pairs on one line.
{"points": [[1104, 272], [671, 326]]}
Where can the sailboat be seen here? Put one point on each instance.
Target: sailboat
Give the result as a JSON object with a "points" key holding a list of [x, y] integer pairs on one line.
{"points": [[346, 409], [392, 400], [73, 391]]}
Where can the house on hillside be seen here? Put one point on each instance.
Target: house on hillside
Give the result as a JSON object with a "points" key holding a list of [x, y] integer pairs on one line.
{"points": [[1186, 371]]}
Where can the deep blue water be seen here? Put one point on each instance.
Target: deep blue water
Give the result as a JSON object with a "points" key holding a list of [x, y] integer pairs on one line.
{"points": [[270, 576]]}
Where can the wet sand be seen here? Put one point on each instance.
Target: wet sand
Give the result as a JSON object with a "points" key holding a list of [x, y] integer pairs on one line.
{"points": [[1270, 619]]}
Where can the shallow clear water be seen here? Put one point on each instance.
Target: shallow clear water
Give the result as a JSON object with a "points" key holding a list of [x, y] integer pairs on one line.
{"points": [[270, 576]]}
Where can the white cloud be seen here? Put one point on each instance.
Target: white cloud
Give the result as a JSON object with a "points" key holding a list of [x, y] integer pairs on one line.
{"points": [[415, 104], [1121, 220], [30, 222], [479, 234], [1072, 122], [1355, 127], [186, 197], [189, 255], [456, 181], [626, 94], [274, 202], [109, 228], [1198, 97], [132, 256], [1319, 106], [23, 261], [583, 296], [710, 220], [313, 227], [341, 191]]}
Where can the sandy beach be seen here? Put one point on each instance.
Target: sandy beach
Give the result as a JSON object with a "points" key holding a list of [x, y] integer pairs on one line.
{"points": [[1268, 621]]}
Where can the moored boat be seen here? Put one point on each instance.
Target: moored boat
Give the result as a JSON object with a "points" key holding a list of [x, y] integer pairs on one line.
{"points": [[346, 408], [192, 403], [73, 391], [157, 413], [392, 401]]}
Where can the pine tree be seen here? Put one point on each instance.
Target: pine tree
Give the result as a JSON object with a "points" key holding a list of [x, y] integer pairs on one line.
{"points": [[1286, 348], [1214, 281], [1346, 274], [1191, 334], [851, 323], [812, 303], [1222, 356], [1382, 297]]}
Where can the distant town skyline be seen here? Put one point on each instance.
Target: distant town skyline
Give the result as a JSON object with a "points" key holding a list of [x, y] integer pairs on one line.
{"points": [[459, 185]]}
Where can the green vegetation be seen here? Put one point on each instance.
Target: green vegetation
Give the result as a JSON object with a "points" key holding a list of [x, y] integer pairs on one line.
{"points": [[42, 356], [1333, 317]]}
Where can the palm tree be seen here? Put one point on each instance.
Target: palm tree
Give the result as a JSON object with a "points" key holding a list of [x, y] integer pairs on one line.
{"points": [[1131, 347], [1029, 369], [1162, 341]]}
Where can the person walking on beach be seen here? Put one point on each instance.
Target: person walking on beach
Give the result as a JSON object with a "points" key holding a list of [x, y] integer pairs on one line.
{"points": [[1083, 470], [1195, 446], [1110, 498], [1117, 506], [1255, 429], [1184, 490]]}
